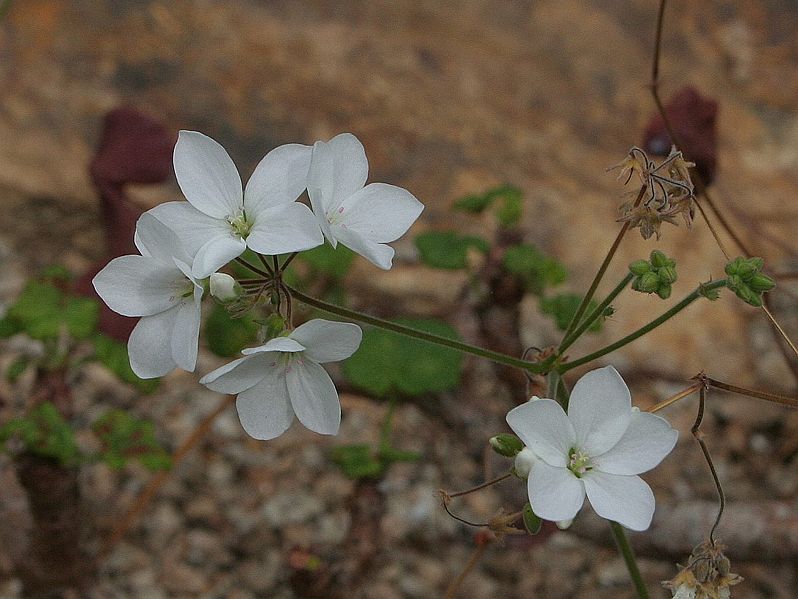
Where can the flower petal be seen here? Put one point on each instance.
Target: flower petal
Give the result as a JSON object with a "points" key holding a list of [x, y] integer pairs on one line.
{"points": [[377, 253], [283, 229], [280, 178], [239, 375], [600, 409], [185, 336], [282, 344], [543, 427], [555, 493], [265, 410], [207, 176], [192, 226], [380, 212], [138, 285], [313, 397], [149, 346], [321, 186], [328, 341], [646, 442], [155, 239], [627, 500], [217, 252]]}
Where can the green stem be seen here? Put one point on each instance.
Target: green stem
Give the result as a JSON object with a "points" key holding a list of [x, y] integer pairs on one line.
{"points": [[628, 555], [645, 329], [570, 339], [602, 269], [498, 357]]}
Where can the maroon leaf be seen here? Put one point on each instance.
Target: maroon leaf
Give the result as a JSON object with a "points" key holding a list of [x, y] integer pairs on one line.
{"points": [[693, 120]]}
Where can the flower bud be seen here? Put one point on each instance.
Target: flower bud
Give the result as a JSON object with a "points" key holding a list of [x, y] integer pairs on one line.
{"points": [[224, 287], [506, 444], [564, 524], [659, 259], [761, 283], [524, 461], [667, 274], [746, 270], [649, 282], [664, 291], [639, 267], [733, 267]]}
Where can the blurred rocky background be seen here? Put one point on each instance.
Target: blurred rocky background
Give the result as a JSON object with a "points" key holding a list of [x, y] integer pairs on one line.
{"points": [[449, 99]]}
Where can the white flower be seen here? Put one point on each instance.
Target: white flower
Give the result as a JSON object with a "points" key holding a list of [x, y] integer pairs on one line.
{"points": [[598, 448], [362, 218], [684, 591], [221, 220], [157, 286], [282, 377]]}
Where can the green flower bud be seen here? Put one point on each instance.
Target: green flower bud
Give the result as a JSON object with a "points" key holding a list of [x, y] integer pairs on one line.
{"points": [[746, 270], [639, 267], [664, 291], [649, 282], [734, 282], [532, 521], [667, 274], [760, 283], [636, 284], [659, 259], [733, 267], [506, 444], [749, 296]]}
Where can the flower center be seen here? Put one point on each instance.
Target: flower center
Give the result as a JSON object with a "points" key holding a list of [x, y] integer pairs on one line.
{"points": [[579, 462], [240, 225], [335, 218]]}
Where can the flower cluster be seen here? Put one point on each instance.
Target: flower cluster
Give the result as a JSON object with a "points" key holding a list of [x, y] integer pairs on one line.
{"points": [[183, 245], [596, 449]]}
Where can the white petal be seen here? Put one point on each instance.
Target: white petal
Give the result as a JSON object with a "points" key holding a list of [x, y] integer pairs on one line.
{"points": [[280, 344], [524, 461], [150, 345], [543, 427], [626, 499], [207, 176], [600, 409], [313, 397], [328, 341], [283, 229], [646, 442], [154, 238], [265, 410], [139, 285], [185, 336], [279, 178], [241, 374], [378, 254], [350, 163], [380, 212], [321, 186], [192, 226], [555, 493], [217, 252]]}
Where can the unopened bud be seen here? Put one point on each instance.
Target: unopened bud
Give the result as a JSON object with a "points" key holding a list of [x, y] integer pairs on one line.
{"points": [[506, 444], [649, 282], [664, 291], [524, 462], [224, 287], [761, 283], [667, 274], [659, 259], [564, 524], [639, 267]]}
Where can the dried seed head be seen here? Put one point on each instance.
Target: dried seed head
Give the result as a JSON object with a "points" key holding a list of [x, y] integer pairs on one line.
{"points": [[707, 575]]}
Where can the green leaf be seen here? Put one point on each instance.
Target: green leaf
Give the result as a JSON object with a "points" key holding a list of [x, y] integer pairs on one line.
{"points": [[82, 315], [447, 249], [9, 327], [532, 521], [227, 336], [113, 355], [56, 272], [563, 307], [387, 361], [536, 270], [124, 437], [357, 461], [509, 211], [16, 368], [326, 259], [42, 310], [45, 433]]}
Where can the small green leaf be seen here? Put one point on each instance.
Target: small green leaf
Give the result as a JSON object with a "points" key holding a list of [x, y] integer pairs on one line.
{"points": [[56, 272], [9, 327], [16, 368], [45, 433], [389, 361], [113, 355], [563, 307], [227, 336], [357, 461], [509, 211], [447, 249], [326, 259], [536, 270], [124, 437], [532, 521], [81, 316]]}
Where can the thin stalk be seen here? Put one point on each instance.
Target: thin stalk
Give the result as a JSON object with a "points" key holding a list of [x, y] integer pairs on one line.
{"points": [[570, 339], [644, 329], [775, 398], [479, 487], [602, 269], [255, 269], [628, 555], [415, 333], [288, 261], [674, 398]]}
